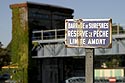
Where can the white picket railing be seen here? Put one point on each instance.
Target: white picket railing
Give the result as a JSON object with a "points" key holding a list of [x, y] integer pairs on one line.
{"points": [[48, 34]]}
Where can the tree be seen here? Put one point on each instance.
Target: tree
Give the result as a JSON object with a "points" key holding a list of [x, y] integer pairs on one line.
{"points": [[4, 56], [111, 61], [114, 62], [115, 28]]}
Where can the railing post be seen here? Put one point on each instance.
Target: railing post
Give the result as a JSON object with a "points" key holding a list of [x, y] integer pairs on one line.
{"points": [[55, 34], [41, 34]]}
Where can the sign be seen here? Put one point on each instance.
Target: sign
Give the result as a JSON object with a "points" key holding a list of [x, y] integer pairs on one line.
{"points": [[112, 80], [88, 33]]}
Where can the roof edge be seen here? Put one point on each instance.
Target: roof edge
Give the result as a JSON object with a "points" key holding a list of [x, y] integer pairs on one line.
{"points": [[16, 5], [25, 4]]}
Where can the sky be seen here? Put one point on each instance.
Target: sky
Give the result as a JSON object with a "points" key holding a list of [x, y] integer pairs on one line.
{"points": [[82, 9]]}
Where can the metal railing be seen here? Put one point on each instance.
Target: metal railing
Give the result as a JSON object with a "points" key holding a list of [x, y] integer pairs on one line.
{"points": [[58, 33], [48, 34]]}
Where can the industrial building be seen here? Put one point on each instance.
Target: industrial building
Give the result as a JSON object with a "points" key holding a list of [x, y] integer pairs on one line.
{"points": [[39, 34]]}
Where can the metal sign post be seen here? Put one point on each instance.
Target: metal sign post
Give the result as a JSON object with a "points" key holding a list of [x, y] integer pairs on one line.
{"points": [[88, 34], [89, 66]]}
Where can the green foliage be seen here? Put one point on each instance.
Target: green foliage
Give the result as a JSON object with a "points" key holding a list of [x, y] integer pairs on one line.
{"points": [[114, 61], [19, 46], [115, 27], [4, 57], [111, 61]]}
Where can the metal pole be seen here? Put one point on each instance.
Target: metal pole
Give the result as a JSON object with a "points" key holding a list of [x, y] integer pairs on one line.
{"points": [[89, 71]]}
